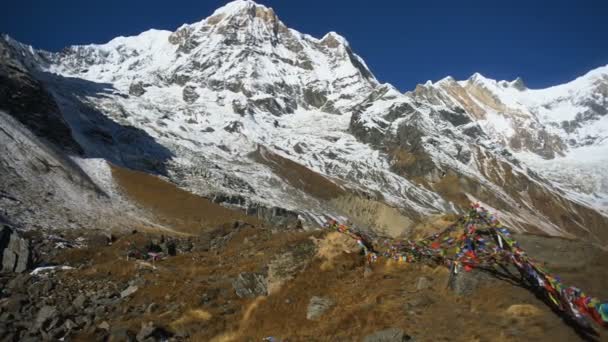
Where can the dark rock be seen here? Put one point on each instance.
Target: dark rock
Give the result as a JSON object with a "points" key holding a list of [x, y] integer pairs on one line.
{"points": [[210, 296], [464, 283], [315, 98], [299, 147], [241, 108], [274, 107], [234, 127], [250, 285], [137, 89], [456, 118], [189, 94], [28, 101], [388, 335], [318, 306]]}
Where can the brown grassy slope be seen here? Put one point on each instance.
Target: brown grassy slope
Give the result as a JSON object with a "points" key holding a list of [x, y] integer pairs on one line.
{"points": [[298, 176], [363, 304], [172, 206]]}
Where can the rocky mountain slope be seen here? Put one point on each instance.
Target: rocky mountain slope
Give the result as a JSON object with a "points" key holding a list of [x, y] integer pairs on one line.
{"points": [[251, 114]]}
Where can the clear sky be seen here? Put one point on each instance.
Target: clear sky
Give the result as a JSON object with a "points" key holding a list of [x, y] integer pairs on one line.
{"points": [[404, 42]]}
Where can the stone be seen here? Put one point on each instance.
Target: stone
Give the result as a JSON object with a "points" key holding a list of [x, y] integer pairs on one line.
{"points": [[464, 283], [129, 291], [45, 314], [15, 251], [149, 330], [250, 285], [423, 283], [317, 307], [104, 326], [388, 335], [137, 89], [79, 301], [189, 94], [419, 301], [234, 127]]}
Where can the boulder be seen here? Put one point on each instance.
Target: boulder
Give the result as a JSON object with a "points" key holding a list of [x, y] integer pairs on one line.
{"points": [[137, 89], [129, 291], [464, 283], [419, 301], [104, 326], [318, 306], [189, 94], [15, 251], [250, 285]]}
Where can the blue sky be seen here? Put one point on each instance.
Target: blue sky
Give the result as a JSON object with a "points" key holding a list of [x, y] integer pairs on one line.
{"points": [[404, 42]]}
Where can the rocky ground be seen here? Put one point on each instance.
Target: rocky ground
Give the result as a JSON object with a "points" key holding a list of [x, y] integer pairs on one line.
{"points": [[219, 275], [240, 282]]}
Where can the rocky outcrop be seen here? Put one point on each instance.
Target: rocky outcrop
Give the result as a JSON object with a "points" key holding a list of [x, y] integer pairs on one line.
{"points": [[15, 251], [250, 285], [189, 94], [137, 89]]}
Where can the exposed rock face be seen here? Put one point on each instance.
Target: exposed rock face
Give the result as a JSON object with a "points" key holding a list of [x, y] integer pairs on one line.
{"points": [[137, 89], [250, 285], [189, 94], [28, 100], [15, 252]]}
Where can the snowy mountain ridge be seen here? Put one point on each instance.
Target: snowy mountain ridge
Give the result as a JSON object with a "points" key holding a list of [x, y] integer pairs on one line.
{"points": [[244, 110]]}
